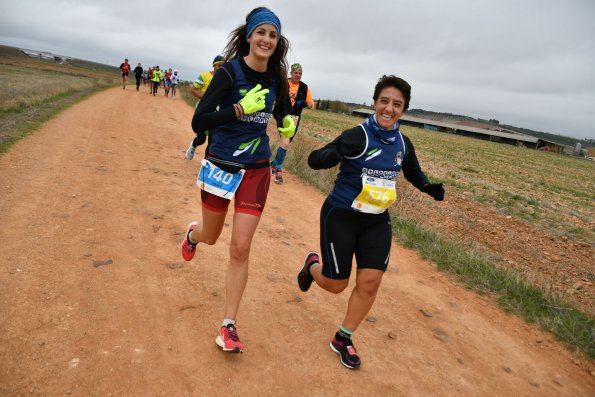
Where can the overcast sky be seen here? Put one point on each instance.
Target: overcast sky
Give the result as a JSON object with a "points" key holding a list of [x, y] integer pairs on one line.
{"points": [[528, 63]]}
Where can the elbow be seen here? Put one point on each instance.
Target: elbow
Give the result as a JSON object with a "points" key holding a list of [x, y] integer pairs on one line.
{"points": [[196, 127], [312, 163]]}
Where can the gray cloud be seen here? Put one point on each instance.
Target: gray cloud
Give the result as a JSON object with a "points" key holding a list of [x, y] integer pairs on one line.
{"points": [[526, 63]]}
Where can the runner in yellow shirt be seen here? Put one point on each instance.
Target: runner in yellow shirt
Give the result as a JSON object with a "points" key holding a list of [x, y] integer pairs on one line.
{"points": [[157, 77], [198, 89]]}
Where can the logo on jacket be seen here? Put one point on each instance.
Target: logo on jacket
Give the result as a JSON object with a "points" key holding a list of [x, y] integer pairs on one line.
{"points": [[244, 147], [373, 153], [399, 158]]}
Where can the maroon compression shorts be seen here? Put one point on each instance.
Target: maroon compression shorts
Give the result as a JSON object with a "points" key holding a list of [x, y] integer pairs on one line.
{"points": [[250, 197]]}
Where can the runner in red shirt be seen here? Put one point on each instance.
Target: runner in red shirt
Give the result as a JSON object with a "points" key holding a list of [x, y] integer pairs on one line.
{"points": [[125, 68]]}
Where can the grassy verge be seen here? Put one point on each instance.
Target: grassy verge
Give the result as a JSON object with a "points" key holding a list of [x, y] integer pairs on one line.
{"points": [[471, 266], [184, 92], [18, 123], [39, 90], [513, 294]]}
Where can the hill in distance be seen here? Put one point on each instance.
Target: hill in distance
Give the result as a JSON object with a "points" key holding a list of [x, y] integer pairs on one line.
{"points": [[17, 53]]}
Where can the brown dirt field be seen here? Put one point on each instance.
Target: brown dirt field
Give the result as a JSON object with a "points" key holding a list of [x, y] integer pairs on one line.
{"points": [[552, 262], [96, 299]]}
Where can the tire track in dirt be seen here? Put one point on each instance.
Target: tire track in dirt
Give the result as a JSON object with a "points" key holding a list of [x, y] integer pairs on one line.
{"points": [[96, 300]]}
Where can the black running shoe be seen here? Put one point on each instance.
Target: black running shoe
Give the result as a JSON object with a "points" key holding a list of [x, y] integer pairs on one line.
{"points": [[345, 349], [304, 277]]}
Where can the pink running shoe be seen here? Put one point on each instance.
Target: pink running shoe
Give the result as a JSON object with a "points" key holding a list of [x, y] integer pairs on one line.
{"points": [[229, 340], [304, 277], [346, 351], [188, 249]]}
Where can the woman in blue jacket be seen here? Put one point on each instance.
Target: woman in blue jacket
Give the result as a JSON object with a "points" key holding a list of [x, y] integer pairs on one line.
{"points": [[234, 111], [354, 219]]}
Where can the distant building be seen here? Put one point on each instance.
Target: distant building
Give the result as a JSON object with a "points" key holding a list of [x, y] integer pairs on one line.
{"points": [[45, 55], [509, 138]]}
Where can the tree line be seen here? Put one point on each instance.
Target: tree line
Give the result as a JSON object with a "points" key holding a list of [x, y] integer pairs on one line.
{"points": [[332, 105]]}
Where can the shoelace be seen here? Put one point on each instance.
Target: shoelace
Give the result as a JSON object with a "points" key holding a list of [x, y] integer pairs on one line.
{"points": [[347, 344], [350, 348], [232, 334]]}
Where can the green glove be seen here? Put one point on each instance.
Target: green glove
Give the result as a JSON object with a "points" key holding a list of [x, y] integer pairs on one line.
{"points": [[254, 100], [288, 130]]}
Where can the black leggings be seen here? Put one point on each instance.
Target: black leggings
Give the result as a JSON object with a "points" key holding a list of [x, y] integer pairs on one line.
{"points": [[345, 232], [155, 86]]}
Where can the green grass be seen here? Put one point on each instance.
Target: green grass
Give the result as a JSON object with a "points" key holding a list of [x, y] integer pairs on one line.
{"points": [[15, 126], [184, 92], [553, 187], [39, 89]]}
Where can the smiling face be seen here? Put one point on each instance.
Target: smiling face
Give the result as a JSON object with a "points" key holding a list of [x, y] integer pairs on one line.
{"points": [[389, 107], [263, 41]]}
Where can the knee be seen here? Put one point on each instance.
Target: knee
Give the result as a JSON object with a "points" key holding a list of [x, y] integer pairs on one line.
{"points": [[368, 287], [209, 240], [335, 287], [239, 252], [285, 144]]}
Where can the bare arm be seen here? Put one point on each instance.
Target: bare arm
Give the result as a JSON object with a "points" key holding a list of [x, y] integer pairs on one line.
{"points": [[196, 92]]}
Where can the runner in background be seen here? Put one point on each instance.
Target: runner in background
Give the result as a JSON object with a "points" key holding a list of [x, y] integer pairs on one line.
{"points": [[175, 80], [125, 68], [167, 81], [354, 219], [138, 75], [236, 109], [198, 89], [156, 79], [150, 79], [301, 97]]}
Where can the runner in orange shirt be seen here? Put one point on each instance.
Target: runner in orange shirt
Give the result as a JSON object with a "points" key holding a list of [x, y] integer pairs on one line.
{"points": [[301, 97]]}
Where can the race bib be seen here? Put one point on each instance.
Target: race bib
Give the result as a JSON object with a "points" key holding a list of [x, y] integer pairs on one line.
{"points": [[376, 196], [219, 182]]}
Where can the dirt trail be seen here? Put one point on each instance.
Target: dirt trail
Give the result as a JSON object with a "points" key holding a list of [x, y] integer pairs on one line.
{"points": [[96, 300]]}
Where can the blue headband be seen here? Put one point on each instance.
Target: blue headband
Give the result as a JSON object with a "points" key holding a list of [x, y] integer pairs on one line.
{"points": [[261, 17]]}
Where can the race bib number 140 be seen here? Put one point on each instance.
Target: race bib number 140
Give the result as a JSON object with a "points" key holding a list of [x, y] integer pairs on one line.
{"points": [[216, 181]]}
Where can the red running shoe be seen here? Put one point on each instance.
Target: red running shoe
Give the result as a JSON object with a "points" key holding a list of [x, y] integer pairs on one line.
{"points": [[188, 249], [229, 340]]}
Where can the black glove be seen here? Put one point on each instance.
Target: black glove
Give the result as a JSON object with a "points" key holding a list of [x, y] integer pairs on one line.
{"points": [[435, 190], [201, 137]]}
